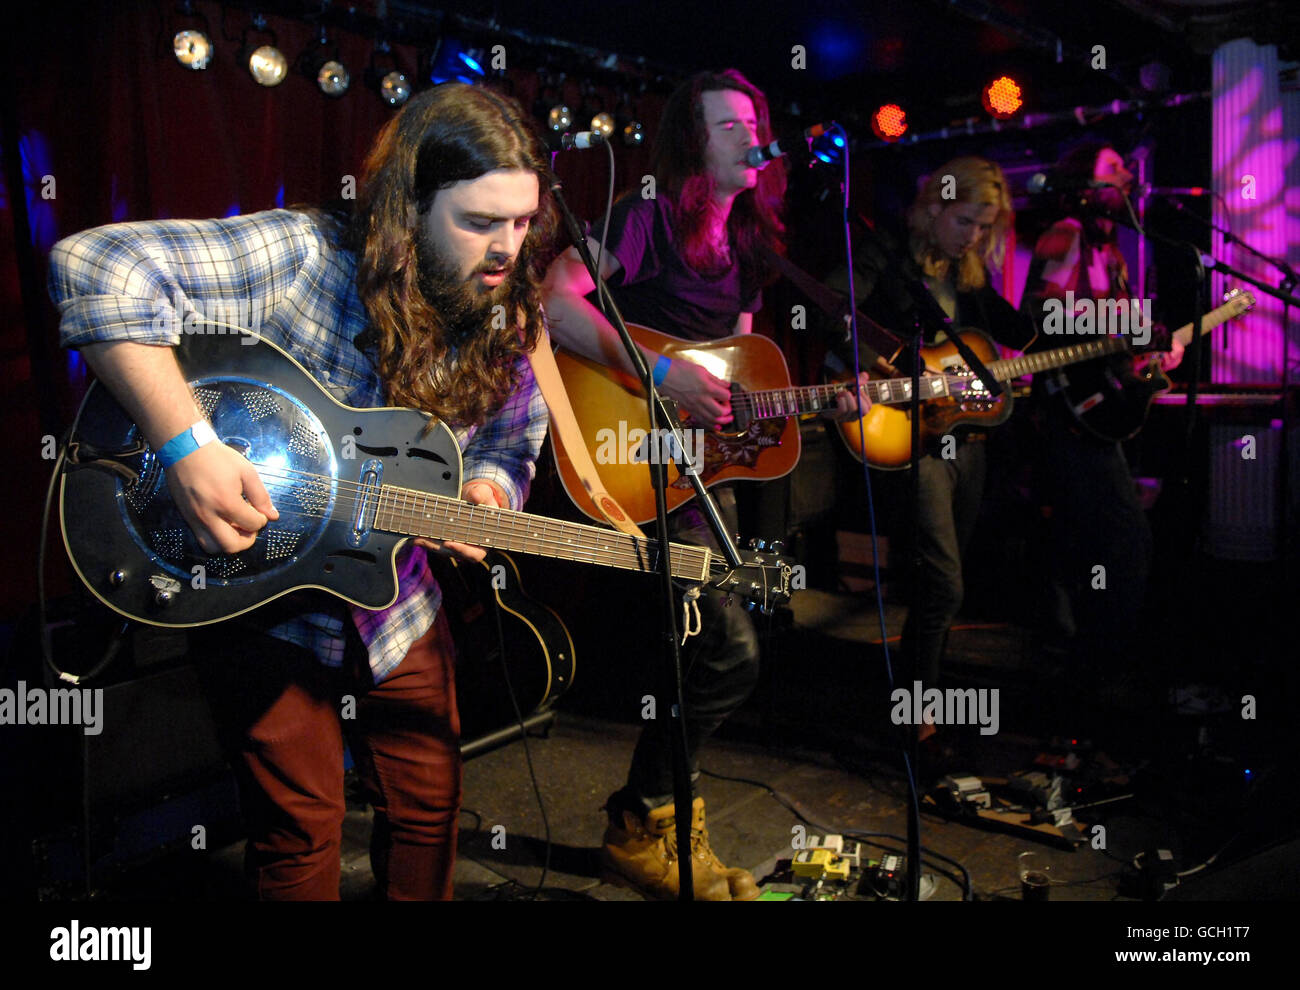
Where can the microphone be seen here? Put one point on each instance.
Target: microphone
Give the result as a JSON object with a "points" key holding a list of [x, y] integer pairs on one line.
{"points": [[759, 155], [1149, 190], [581, 141], [1041, 182]]}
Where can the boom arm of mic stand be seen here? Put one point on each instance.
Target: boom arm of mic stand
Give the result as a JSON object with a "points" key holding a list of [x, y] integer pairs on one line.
{"points": [[1263, 287]]}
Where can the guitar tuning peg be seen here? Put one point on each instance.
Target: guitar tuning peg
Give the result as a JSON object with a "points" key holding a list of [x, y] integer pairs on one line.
{"points": [[777, 546], [756, 544]]}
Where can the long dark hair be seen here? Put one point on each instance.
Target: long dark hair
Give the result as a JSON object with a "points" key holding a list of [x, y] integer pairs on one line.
{"points": [[679, 168], [1074, 199], [447, 134]]}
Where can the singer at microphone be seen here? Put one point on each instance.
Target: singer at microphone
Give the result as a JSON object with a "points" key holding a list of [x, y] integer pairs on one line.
{"points": [[1041, 182], [760, 155]]}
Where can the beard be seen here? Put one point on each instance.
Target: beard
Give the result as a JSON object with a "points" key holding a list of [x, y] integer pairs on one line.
{"points": [[465, 307]]}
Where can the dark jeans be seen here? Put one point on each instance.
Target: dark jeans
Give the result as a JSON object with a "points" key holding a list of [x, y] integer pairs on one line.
{"points": [[947, 507], [1101, 547], [719, 667], [283, 718]]}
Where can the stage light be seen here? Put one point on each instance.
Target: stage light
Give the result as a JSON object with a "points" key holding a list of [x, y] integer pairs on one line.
{"points": [[193, 49], [268, 66], [1002, 97], [560, 118], [192, 45], [319, 64], [385, 76], [471, 63], [333, 78], [395, 89], [889, 122], [452, 61], [829, 147], [266, 63], [603, 124], [634, 134]]}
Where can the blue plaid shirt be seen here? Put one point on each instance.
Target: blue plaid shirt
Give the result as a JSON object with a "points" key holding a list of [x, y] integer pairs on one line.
{"points": [[278, 274]]}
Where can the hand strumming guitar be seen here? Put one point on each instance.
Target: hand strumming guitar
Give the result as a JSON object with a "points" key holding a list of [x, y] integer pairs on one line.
{"points": [[706, 397]]}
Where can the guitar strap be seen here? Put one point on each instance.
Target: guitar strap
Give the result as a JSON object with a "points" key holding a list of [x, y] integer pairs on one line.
{"points": [[566, 426], [834, 305]]}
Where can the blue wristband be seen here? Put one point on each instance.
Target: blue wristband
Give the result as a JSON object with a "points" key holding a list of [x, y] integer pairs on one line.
{"points": [[185, 443], [661, 369]]}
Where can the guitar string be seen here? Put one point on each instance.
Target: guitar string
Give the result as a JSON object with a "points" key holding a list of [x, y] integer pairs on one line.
{"points": [[509, 523]]}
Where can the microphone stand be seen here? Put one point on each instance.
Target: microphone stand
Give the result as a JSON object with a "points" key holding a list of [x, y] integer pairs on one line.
{"points": [[921, 314], [1287, 295], [663, 422]]}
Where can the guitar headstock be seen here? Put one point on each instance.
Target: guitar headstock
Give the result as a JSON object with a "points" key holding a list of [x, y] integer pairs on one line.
{"points": [[765, 579], [1238, 301]]}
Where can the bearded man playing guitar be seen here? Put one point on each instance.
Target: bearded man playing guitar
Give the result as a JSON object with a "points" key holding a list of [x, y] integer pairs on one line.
{"points": [[956, 227], [395, 305], [689, 262]]}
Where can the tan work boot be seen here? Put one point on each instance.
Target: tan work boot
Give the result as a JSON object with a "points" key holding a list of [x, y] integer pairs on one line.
{"points": [[740, 882], [643, 854]]}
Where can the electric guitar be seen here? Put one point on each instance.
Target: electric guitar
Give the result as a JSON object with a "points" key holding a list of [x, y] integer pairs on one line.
{"points": [[761, 443], [352, 486], [1109, 397], [952, 398]]}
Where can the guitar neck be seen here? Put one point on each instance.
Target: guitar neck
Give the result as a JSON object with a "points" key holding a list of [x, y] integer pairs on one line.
{"points": [[1061, 356], [1209, 321], [780, 402], [1058, 357], [439, 517]]}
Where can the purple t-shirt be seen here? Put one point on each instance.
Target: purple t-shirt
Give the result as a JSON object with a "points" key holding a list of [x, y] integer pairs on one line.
{"points": [[656, 287]]}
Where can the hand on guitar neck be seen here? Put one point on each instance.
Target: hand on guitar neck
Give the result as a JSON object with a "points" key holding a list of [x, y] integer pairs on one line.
{"points": [[1166, 360], [477, 492], [849, 408]]}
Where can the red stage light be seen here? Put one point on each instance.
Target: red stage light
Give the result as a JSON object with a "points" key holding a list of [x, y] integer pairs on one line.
{"points": [[1002, 97], [889, 122]]}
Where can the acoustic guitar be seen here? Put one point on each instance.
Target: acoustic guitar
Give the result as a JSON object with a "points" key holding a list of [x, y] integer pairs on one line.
{"points": [[760, 444]]}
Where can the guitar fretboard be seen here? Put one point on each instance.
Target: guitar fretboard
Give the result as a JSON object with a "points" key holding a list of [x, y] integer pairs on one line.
{"points": [[773, 403], [439, 517], [1058, 357]]}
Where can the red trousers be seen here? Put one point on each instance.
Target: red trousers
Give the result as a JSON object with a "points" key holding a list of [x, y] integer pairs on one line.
{"points": [[284, 717]]}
